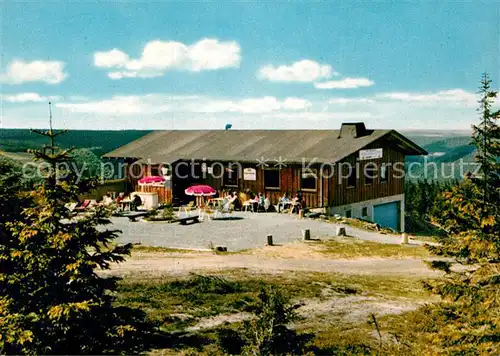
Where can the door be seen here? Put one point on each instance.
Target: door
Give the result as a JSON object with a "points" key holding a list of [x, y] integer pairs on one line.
{"points": [[387, 215]]}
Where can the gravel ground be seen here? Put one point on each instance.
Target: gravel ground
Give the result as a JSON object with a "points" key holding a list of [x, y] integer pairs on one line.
{"points": [[242, 231]]}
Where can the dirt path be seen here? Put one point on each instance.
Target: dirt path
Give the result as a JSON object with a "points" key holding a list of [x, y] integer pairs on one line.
{"points": [[266, 260]]}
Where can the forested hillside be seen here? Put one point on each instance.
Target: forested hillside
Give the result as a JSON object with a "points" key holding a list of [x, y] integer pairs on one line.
{"points": [[101, 142], [447, 152]]}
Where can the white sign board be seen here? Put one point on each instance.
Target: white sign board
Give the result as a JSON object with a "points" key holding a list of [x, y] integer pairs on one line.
{"points": [[371, 154], [249, 174]]}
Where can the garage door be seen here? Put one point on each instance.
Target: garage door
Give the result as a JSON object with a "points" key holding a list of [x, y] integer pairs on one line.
{"points": [[387, 215]]}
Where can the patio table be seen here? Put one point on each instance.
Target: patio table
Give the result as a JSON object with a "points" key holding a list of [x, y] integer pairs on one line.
{"points": [[125, 204]]}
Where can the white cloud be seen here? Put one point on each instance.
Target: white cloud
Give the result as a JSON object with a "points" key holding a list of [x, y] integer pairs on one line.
{"points": [[346, 83], [305, 70], [347, 115], [160, 56], [28, 97], [19, 71], [157, 103], [342, 101], [453, 96], [296, 104], [117, 105], [169, 111], [110, 59]]}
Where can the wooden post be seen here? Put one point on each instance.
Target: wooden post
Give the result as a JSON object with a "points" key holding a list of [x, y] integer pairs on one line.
{"points": [[404, 238], [306, 234], [301, 214], [269, 240]]}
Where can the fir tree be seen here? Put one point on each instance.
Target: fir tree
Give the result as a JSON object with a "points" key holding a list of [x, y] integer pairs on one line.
{"points": [[469, 214], [52, 298]]}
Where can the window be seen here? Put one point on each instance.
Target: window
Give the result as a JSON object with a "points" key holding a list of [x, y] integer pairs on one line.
{"points": [[364, 211], [351, 180], [370, 172], [348, 214], [383, 173], [308, 179], [165, 171], [154, 171], [272, 178], [231, 176]]}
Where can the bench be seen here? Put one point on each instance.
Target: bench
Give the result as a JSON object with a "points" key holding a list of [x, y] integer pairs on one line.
{"points": [[133, 216], [185, 220]]}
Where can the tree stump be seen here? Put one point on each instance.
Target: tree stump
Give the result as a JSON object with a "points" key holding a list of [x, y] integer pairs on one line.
{"points": [[306, 234], [269, 240], [404, 238], [340, 231]]}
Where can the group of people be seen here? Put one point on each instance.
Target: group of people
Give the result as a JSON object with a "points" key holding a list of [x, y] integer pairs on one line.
{"points": [[297, 203], [259, 202], [134, 203]]}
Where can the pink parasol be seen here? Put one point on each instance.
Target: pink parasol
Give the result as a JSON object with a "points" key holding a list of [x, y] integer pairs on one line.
{"points": [[200, 190], [151, 180]]}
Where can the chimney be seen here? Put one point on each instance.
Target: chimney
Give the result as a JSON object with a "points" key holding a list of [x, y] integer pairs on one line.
{"points": [[352, 130]]}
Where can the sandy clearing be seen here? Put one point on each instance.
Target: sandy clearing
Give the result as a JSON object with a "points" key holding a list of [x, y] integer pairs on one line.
{"points": [[157, 264]]}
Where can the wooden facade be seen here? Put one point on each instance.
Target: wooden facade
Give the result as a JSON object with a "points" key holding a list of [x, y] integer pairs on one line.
{"points": [[330, 189]]}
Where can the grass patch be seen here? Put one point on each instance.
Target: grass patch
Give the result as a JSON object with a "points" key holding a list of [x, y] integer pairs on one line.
{"points": [[352, 248], [159, 249], [176, 303]]}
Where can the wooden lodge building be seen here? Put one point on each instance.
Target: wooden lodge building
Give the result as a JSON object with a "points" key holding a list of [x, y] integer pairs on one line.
{"points": [[354, 171]]}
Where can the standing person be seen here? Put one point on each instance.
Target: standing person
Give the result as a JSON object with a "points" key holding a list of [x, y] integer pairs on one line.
{"points": [[261, 201], [119, 200], [136, 202]]}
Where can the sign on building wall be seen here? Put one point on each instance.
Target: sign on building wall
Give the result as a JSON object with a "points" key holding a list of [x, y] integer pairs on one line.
{"points": [[249, 174], [371, 154]]}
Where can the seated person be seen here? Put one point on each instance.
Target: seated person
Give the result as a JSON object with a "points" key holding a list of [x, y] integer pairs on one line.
{"points": [[228, 200], [284, 201], [296, 203], [254, 200], [244, 196], [119, 199], [107, 200], [267, 203]]}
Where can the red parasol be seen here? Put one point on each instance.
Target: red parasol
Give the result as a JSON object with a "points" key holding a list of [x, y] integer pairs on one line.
{"points": [[151, 180], [200, 190]]}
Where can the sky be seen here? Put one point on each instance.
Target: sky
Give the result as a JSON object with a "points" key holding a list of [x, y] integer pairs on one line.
{"points": [[253, 64]]}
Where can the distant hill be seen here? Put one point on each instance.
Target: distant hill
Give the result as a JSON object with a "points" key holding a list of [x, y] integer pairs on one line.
{"points": [[447, 150], [101, 142]]}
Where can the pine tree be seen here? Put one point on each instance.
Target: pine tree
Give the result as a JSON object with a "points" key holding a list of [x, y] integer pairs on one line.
{"points": [[469, 214], [52, 298]]}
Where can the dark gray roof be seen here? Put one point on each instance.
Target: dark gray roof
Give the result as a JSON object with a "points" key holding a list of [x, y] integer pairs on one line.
{"points": [[253, 145]]}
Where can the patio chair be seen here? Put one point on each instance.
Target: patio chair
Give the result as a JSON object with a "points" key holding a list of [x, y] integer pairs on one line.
{"points": [[83, 206], [224, 211], [248, 206], [206, 212], [71, 206], [187, 208]]}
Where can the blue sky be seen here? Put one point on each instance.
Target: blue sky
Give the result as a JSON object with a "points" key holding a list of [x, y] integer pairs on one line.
{"points": [[258, 64]]}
